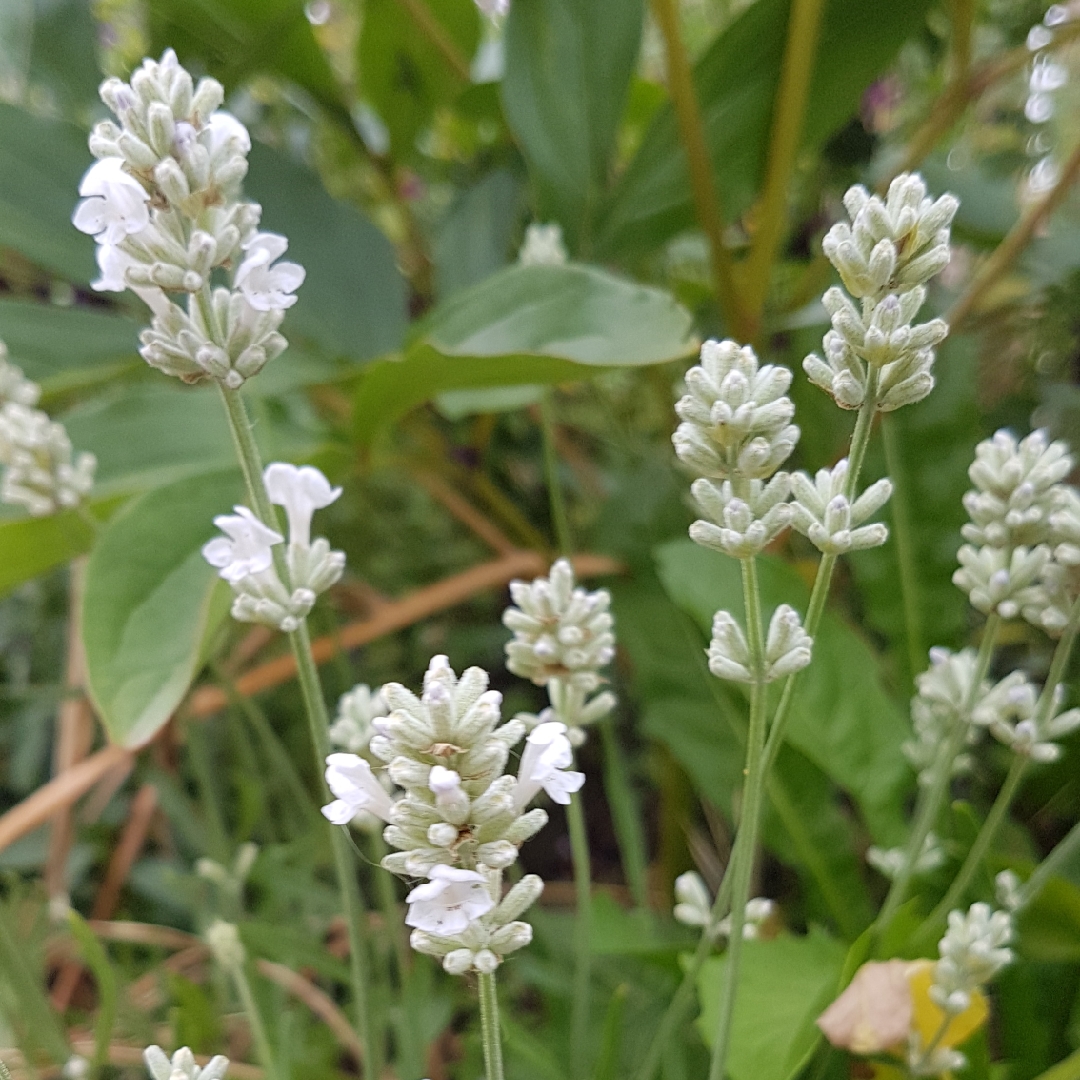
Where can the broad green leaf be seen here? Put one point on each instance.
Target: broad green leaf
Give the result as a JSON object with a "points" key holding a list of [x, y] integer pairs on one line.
{"points": [[236, 39], [47, 340], [33, 545], [568, 67], [151, 433], [63, 58], [841, 718], [935, 440], [402, 74], [156, 432], [736, 83], [473, 239], [703, 725], [525, 324], [40, 169], [353, 301], [783, 986], [1050, 927], [149, 603]]}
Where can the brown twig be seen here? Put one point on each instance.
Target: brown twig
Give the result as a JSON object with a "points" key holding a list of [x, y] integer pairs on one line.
{"points": [[1019, 236], [74, 733], [123, 858], [316, 1000], [702, 180], [465, 512], [207, 700], [59, 792], [960, 93], [193, 950]]}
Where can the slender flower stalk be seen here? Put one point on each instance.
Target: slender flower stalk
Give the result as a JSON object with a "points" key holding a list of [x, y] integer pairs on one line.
{"points": [[1013, 780], [489, 1027], [932, 795], [744, 853]]}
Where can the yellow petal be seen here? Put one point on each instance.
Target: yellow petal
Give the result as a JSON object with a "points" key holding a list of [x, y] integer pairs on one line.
{"points": [[928, 1018]]}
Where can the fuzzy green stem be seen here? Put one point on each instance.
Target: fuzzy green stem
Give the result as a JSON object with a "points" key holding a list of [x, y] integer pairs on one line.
{"points": [[579, 852], [318, 724], [904, 535], [744, 853], [1011, 786], [489, 1027], [860, 440], [263, 1050], [560, 520], [355, 913], [933, 795], [683, 999]]}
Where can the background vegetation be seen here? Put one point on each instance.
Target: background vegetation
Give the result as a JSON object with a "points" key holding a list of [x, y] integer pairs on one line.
{"points": [[404, 173]]}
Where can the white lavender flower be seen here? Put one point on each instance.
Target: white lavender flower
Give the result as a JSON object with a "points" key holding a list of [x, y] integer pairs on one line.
{"points": [[787, 648], [947, 696], [244, 556], [545, 765], [891, 862], [736, 417], [885, 257], [543, 244], [355, 789], [824, 514], [15, 387], [1009, 891], [973, 951], [163, 204], [1059, 582], [1001, 580], [758, 911], [450, 900], [1028, 732], [183, 1065], [486, 939], [741, 527], [225, 944], [41, 473], [1018, 488], [560, 631], [449, 752], [353, 726], [693, 904]]}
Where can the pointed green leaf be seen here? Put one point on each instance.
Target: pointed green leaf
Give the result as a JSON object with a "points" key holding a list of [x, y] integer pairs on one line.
{"points": [[568, 68], [783, 986], [40, 169], [526, 324], [150, 602]]}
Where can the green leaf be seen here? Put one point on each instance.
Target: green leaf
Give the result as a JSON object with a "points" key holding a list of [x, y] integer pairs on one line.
{"points": [[353, 301], [1050, 926], [568, 67], [525, 324], [841, 719], [64, 54], [402, 73], [33, 545], [783, 987], [473, 239], [149, 603], [153, 433], [235, 39], [736, 82], [46, 340], [40, 169]]}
